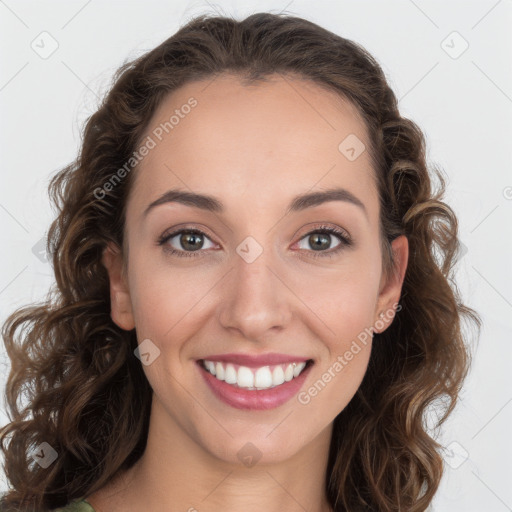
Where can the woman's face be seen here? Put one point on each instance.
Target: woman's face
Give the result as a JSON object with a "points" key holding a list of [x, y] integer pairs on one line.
{"points": [[259, 286]]}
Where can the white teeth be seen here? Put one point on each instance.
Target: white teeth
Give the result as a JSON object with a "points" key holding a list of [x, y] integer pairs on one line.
{"points": [[210, 365], [277, 376], [219, 371], [230, 376], [298, 368], [288, 374], [265, 377], [245, 377]]}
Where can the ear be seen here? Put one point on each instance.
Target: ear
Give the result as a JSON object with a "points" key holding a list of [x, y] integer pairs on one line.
{"points": [[391, 286], [121, 306]]}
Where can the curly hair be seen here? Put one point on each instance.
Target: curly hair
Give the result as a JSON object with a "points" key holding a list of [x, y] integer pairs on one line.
{"points": [[86, 394]]}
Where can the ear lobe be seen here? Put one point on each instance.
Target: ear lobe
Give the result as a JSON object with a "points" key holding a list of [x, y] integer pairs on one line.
{"points": [[121, 306], [391, 288]]}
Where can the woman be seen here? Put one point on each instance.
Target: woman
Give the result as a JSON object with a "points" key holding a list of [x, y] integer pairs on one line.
{"points": [[254, 305]]}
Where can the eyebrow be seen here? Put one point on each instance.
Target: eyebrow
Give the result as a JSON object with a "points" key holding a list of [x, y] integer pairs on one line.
{"points": [[298, 203]]}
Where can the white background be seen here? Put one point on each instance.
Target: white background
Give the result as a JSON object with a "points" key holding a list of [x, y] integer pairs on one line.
{"points": [[463, 104]]}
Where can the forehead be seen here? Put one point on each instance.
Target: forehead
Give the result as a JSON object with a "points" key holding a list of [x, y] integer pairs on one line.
{"points": [[268, 141]]}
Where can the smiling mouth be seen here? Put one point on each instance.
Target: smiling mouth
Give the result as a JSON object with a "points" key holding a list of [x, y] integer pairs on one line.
{"points": [[257, 378]]}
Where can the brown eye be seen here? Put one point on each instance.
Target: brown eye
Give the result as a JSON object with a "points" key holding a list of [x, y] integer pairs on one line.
{"points": [[184, 242], [191, 241], [320, 241]]}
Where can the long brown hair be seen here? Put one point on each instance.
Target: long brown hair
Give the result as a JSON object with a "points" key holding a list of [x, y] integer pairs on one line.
{"points": [[85, 392]]}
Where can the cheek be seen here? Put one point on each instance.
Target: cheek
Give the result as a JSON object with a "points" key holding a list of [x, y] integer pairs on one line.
{"points": [[334, 385], [343, 301], [164, 295]]}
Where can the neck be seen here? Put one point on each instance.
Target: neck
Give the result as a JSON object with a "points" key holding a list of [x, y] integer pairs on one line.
{"points": [[176, 473]]}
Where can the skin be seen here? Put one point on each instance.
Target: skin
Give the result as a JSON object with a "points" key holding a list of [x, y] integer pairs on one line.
{"points": [[254, 148]]}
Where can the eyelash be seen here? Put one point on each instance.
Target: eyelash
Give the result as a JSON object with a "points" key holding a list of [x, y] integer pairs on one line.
{"points": [[345, 241]]}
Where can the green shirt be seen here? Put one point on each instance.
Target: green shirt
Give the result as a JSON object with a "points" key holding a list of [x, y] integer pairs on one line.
{"points": [[78, 505]]}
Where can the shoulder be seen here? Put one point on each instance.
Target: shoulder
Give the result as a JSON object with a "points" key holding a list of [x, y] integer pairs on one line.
{"points": [[78, 505]]}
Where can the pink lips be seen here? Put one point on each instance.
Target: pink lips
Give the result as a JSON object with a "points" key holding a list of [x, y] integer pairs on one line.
{"points": [[257, 399], [255, 361]]}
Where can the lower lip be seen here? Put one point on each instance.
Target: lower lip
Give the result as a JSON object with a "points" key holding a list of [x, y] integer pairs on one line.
{"points": [[256, 399]]}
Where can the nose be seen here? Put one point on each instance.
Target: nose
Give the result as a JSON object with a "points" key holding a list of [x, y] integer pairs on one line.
{"points": [[255, 299]]}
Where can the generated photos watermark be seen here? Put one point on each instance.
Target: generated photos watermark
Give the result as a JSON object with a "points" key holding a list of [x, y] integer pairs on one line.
{"points": [[149, 143], [304, 397]]}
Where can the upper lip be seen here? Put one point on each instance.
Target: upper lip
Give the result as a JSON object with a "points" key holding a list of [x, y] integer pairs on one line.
{"points": [[256, 360]]}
